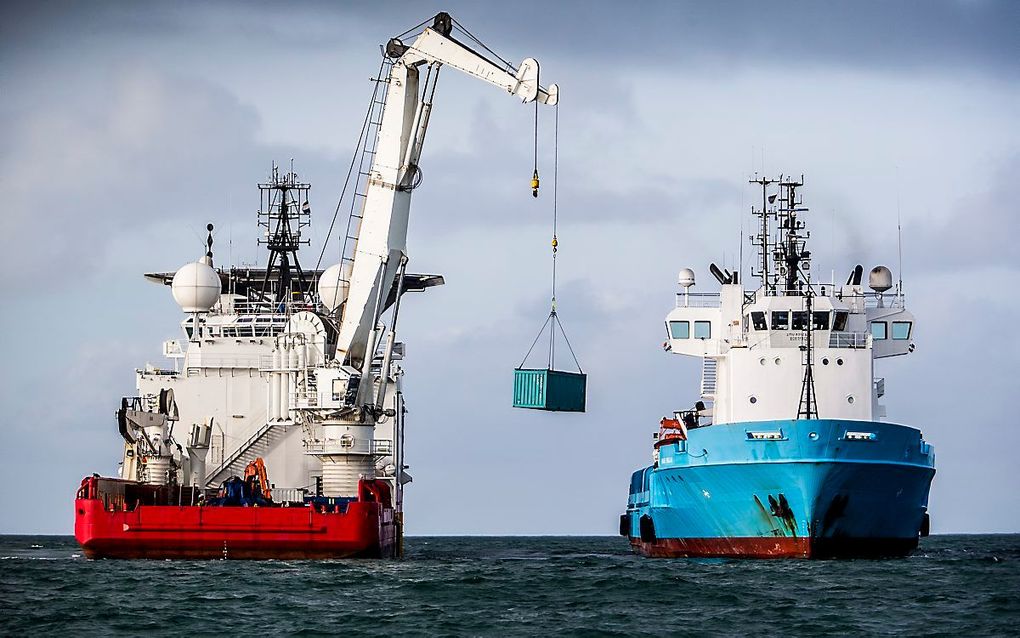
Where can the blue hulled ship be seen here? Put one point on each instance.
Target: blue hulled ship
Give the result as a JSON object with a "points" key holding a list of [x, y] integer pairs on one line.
{"points": [[786, 453]]}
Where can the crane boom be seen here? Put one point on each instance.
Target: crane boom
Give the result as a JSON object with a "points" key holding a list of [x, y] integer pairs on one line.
{"points": [[382, 237]]}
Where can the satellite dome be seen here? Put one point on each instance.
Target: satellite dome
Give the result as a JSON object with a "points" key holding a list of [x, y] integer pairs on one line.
{"points": [[686, 278], [334, 282], [880, 279], [196, 287]]}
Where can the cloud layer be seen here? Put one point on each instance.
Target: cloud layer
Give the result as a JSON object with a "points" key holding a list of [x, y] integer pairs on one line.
{"points": [[131, 126]]}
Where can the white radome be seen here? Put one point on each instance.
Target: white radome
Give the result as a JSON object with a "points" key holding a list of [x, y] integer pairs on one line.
{"points": [[880, 279], [196, 287], [686, 278], [334, 283]]}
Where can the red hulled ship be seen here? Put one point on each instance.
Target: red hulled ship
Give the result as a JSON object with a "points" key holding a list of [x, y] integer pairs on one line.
{"points": [[290, 368]]}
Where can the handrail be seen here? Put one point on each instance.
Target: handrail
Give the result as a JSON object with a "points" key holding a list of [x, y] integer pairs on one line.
{"points": [[380, 447], [848, 340], [239, 452], [698, 300], [202, 360]]}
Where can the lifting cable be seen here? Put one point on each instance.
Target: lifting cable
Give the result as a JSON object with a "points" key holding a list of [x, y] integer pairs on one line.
{"points": [[553, 320], [350, 170]]}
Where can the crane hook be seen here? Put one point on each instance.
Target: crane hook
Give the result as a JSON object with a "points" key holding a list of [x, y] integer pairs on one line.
{"points": [[534, 184]]}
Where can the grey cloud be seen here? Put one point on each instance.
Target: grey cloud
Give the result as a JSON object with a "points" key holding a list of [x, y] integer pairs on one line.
{"points": [[149, 147], [130, 123], [900, 36], [981, 231]]}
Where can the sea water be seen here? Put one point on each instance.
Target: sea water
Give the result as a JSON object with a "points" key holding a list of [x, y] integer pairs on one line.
{"points": [[514, 586]]}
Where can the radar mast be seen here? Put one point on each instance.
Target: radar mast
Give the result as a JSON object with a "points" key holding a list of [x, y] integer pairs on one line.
{"points": [[283, 212], [791, 257]]}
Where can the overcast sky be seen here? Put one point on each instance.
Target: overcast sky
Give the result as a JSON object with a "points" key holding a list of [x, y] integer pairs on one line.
{"points": [[127, 127]]}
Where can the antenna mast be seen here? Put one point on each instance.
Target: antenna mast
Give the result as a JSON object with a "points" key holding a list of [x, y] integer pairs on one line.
{"points": [[762, 240], [791, 257], [283, 212]]}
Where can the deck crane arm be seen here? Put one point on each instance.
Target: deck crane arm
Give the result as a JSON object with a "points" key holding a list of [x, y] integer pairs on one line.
{"points": [[382, 237]]}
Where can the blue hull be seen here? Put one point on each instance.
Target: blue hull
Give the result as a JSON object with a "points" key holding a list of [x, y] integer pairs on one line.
{"points": [[808, 488]]}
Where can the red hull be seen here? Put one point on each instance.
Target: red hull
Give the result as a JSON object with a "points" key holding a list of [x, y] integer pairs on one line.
{"points": [[105, 527], [170, 531], [774, 547]]}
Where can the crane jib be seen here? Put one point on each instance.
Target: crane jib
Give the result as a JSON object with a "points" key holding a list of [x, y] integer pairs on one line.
{"points": [[381, 234]]}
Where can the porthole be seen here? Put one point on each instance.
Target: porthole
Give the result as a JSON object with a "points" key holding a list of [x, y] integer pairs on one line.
{"points": [[753, 400], [825, 361], [813, 436], [777, 360], [762, 361], [839, 362], [850, 399]]}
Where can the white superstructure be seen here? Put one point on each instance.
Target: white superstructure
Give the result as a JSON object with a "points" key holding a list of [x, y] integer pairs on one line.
{"points": [[791, 337], [302, 367]]}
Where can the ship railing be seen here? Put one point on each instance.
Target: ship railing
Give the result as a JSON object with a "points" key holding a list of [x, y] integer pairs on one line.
{"points": [[237, 330], [380, 447], [274, 308], [698, 300], [289, 494], [791, 338], [302, 398], [864, 299], [888, 300], [198, 359], [857, 340]]}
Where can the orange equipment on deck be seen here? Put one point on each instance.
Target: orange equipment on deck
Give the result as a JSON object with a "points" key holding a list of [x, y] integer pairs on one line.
{"points": [[257, 468], [671, 430]]}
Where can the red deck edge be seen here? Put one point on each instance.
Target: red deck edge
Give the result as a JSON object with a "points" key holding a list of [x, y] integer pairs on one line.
{"points": [[774, 547]]}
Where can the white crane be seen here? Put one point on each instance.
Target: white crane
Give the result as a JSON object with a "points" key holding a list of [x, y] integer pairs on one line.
{"points": [[382, 239]]}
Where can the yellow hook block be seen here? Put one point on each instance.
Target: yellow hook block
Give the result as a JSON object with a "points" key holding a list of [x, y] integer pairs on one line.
{"points": [[534, 184]]}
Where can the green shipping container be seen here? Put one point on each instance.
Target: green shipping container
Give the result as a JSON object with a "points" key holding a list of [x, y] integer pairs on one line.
{"points": [[550, 390]]}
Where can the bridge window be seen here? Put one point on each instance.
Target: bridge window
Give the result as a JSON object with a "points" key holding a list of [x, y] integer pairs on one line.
{"points": [[799, 320], [820, 320], [839, 320], [780, 320], [879, 330], [702, 329], [758, 319], [901, 330], [679, 329]]}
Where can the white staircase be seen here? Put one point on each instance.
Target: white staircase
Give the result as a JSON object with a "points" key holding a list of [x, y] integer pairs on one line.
{"points": [[257, 445]]}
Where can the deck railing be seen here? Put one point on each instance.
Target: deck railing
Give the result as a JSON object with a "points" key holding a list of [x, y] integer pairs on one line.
{"points": [[380, 447], [848, 339], [698, 300]]}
